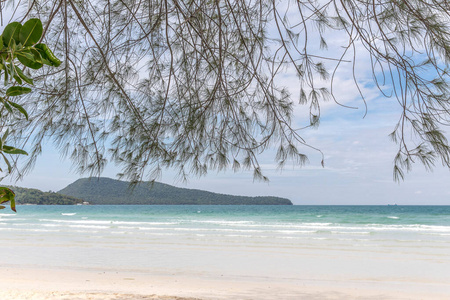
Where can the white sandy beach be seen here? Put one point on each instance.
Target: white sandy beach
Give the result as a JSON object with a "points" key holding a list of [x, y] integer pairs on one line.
{"points": [[24, 283]]}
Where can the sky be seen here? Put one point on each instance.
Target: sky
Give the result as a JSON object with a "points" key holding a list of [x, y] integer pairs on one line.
{"points": [[358, 169], [358, 158]]}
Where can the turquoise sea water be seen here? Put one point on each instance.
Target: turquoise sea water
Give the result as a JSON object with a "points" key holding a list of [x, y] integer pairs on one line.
{"points": [[278, 241], [281, 221]]}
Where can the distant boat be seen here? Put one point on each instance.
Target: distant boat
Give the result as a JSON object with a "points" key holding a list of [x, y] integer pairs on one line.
{"points": [[395, 204]]}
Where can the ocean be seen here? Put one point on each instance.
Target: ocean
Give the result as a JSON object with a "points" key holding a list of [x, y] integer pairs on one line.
{"points": [[397, 244]]}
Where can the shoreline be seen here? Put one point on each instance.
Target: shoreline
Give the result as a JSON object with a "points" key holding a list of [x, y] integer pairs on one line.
{"points": [[225, 254], [19, 282]]}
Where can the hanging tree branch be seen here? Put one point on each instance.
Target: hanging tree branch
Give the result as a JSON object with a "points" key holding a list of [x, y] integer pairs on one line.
{"points": [[198, 85]]}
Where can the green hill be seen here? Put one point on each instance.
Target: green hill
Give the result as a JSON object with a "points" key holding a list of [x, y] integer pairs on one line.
{"points": [[110, 191], [35, 196]]}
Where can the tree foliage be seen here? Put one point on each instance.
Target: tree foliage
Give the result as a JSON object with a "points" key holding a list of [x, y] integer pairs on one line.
{"points": [[19, 48], [198, 84], [37, 197]]}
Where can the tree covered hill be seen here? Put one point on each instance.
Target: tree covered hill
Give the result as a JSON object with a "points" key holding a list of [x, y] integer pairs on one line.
{"points": [[35, 196], [110, 191]]}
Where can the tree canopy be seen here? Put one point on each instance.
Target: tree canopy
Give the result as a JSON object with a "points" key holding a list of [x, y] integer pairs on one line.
{"points": [[38, 197], [19, 48], [198, 84]]}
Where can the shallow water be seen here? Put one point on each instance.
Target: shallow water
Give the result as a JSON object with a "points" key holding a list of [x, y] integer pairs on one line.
{"points": [[396, 243]]}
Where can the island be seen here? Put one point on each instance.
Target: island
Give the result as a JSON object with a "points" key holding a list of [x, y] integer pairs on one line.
{"points": [[107, 191], [26, 196]]}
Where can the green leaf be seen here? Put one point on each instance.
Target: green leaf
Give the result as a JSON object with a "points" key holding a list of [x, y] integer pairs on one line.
{"points": [[7, 162], [11, 33], [44, 57], [13, 150], [6, 195], [47, 54], [18, 79], [26, 53], [19, 108], [5, 135], [1, 42], [11, 69], [6, 75], [7, 106], [31, 58], [12, 204], [17, 90], [23, 76], [31, 32]]}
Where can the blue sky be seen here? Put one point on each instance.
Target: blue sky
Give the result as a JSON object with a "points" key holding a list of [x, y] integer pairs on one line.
{"points": [[358, 156]]}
